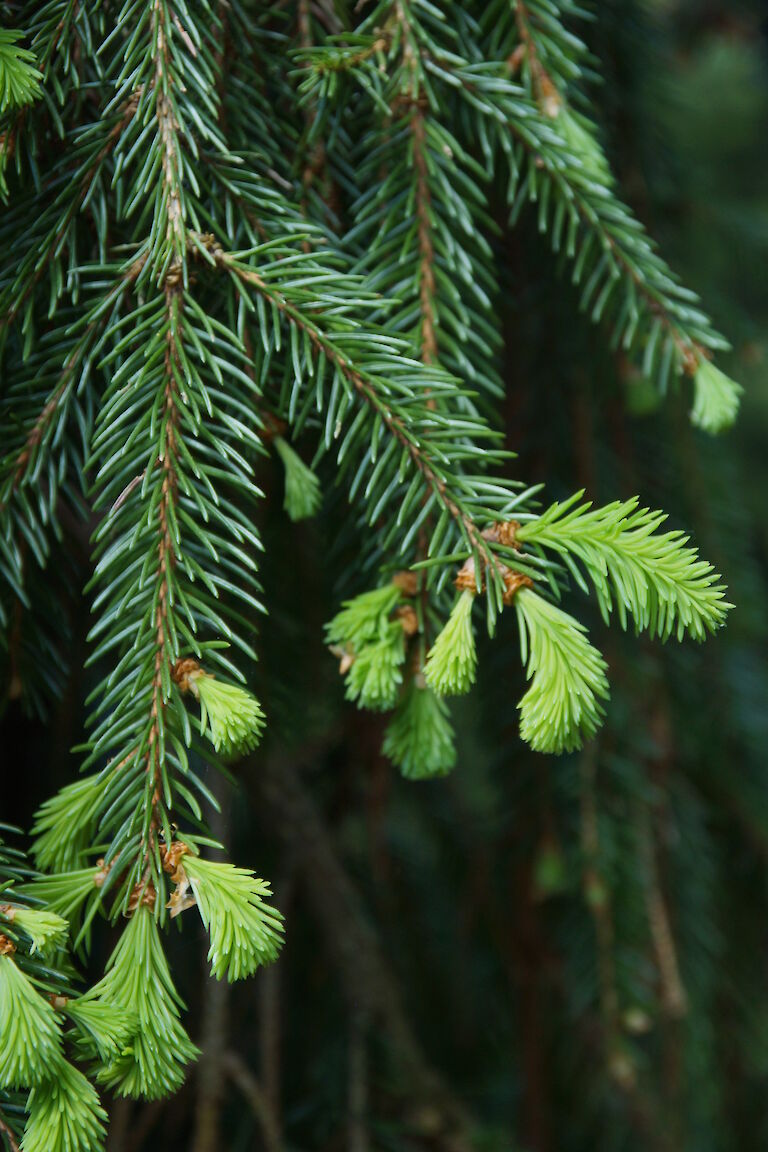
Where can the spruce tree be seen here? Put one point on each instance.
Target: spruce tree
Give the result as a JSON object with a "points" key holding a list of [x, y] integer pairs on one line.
{"points": [[241, 237]]}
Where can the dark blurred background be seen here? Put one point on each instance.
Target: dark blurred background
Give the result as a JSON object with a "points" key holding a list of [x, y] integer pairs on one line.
{"points": [[554, 955]]}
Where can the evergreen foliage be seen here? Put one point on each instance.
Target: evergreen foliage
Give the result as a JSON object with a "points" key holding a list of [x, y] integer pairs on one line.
{"points": [[419, 737], [64, 826], [302, 487], [224, 233], [657, 579], [65, 893], [64, 1113], [45, 930], [19, 78], [562, 705], [716, 399], [30, 1036], [104, 1029], [245, 931], [231, 715], [137, 985], [452, 660], [45, 1101]]}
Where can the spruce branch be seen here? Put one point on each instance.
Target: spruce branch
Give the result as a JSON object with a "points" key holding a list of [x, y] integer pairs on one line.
{"points": [[66, 893], [562, 705], [302, 487], [421, 231], [555, 159], [452, 661], [363, 618], [103, 1029], [53, 227], [419, 436], [170, 232], [138, 983], [21, 468], [245, 931], [170, 551], [64, 1113], [375, 674], [233, 716], [716, 398], [19, 78], [30, 1042], [64, 825], [369, 637], [166, 552], [52, 27], [410, 92], [225, 283], [174, 495], [653, 576], [42, 418], [46, 931], [419, 737]]}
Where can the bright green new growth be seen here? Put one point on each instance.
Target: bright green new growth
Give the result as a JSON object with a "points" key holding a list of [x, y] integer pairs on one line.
{"points": [[561, 707], [452, 660], [245, 931], [233, 716], [64, 1113], [29, 1035], [30, 1030], [376, 671], [583, 143], [372, 646], [64, 825], [656, 578], [19, 78], [363, 618], [104, 1029], [137, 983], [302, 487], [419, 737], [716, 398], [63, 893], [46, 930]]}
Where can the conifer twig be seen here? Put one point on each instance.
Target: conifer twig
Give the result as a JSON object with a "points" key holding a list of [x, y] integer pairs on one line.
{"points": [[365, 388]]}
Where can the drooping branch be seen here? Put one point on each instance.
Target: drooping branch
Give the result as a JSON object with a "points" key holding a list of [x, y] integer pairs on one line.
{"points": [[166, 557], [23, 286], [365, 387], [426, 275]]}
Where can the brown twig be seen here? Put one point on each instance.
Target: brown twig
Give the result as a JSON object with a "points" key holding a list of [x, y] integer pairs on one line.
{"points": [[426, 277], [252, 1091], [7, 1132], [365, 978], [166, 558]]}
